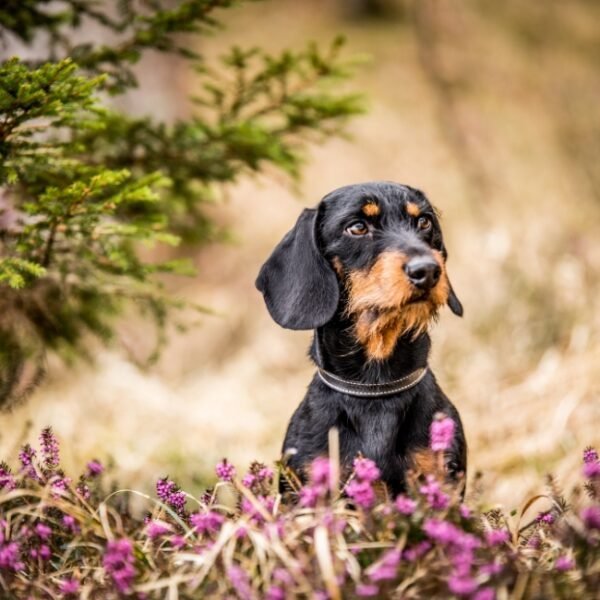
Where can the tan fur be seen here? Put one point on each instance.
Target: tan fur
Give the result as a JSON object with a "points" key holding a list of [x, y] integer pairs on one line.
{"points": [[412, 209], [424, 462], [379, 299], [371, 209], [337, 266]]}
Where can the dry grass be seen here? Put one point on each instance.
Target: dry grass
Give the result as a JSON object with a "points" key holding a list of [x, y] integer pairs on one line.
{"points": [[332, 537], [524, 259]]}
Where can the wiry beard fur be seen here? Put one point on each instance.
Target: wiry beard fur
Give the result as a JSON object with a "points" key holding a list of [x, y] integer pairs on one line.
{"points": [[385, 305]]}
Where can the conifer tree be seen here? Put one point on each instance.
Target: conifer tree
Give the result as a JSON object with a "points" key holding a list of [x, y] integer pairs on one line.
{"points": [[83, 185]]}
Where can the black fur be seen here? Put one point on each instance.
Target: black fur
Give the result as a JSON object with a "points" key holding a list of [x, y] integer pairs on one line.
{"points": [[299, 285], [302, 291]]}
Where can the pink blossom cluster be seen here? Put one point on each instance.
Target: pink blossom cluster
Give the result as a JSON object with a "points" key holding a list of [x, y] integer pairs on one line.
{"points": [[170, 494], [49, 448], [27, 456], [207, 522], [119, 564], [10, 551], [319, 482], [441, 433], [461, 547], [591, 464], [225, 471], [258, 475], [433, 492], [360, 487], [7, 480], [465, 553]]}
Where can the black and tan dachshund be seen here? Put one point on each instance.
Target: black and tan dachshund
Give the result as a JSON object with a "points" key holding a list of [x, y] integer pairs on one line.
{"points": [[366, 269]]}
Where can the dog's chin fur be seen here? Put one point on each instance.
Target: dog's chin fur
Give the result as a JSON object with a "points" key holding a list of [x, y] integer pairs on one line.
{"points": [[384, 304]]}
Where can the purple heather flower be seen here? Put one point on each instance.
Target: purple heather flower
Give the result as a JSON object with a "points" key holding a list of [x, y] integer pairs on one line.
{"points": [[206, 522], [367, 590], [68, 587], [164, 488], [7, 481], [441, 433], [591, 470], [467, 541], [361, 492], [249, 508], [26, 458], [60, 485], [465, 511], [462, 585], [43, 531], [10, 555], [462, 557], [240, 581], [44, 552], [366, 470], [275, 593], [94, 468], [546, 517], [415, 552], [170, 494], [265, 474], [591, 517], [248, 480], [534, 542], [405, 505], [282, 575], [156, 529], [486, 593], [177, 501], [494, 568], [225, 471], [590, 455], [49, 446], [386, 567], [309, 496], [118, 562], [320, 471], [441, 531], [564, 563], [497, 537], [436, 498], [70, 523], [83, 490], [177, 541]]}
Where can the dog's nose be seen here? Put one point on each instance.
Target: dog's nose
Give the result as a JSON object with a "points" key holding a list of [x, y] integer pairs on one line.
{"points": [[423, 272]]}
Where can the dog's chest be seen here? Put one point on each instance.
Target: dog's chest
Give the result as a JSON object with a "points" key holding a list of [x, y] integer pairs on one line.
{"points": [[374, 430]]}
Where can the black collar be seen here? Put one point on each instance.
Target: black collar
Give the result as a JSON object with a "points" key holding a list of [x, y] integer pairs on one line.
{"points": [[354, 388]]}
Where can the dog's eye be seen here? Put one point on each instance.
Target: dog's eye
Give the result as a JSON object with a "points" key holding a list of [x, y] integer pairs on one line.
{"points": [[424, 223], [358, 228]]}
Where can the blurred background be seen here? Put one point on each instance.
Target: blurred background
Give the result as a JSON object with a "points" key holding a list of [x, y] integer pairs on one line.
{"points": [[492, 110]]}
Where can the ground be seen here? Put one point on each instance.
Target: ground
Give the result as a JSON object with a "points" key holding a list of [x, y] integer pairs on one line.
{"points": [[524, 259]]}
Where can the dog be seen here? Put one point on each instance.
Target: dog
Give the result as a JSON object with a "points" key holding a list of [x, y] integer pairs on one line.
{"points": [[366, 270]]}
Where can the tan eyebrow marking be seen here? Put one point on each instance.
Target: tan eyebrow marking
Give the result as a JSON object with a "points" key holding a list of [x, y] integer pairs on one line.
{"points": [[412, 209], [371, 209]]}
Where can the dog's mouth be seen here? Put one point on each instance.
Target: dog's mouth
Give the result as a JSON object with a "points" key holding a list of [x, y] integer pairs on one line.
{"points": [[419, 296]]}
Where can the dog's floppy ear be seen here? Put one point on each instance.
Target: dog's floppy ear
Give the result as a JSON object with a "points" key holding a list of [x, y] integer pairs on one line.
{"points": [[453, 302], [299, 286]]}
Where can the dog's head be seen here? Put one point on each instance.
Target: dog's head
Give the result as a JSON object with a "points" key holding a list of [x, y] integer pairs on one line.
{"points": [[373, 251]]}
